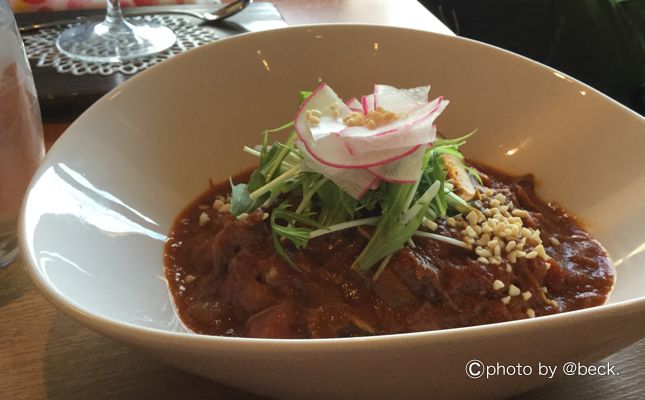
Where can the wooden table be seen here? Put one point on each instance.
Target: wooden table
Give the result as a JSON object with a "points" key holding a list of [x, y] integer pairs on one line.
{"points": [[44, 354]]}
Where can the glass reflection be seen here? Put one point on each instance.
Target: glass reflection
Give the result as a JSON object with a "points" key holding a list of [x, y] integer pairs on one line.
{"points": [[61, 190], [50, 256]]}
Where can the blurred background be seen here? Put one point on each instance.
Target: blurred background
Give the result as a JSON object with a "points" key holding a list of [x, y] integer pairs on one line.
{"points": [[600, 42]]}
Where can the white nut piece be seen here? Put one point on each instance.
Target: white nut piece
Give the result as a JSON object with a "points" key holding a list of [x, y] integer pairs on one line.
{"points": [[203, 219], [513, 290]]}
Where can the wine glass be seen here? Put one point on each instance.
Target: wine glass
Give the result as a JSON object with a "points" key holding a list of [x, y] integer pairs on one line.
{"points": [[114, 39]]}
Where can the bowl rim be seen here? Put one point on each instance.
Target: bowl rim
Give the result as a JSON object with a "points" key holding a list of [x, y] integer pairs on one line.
{"points": [[116, 328]]}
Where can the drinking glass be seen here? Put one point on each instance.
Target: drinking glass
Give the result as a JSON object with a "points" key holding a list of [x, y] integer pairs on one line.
{"points": [[114, 39], [21, 134]]}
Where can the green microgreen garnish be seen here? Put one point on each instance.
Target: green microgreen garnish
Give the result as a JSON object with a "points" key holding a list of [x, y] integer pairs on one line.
{"points": [[305, 205]]}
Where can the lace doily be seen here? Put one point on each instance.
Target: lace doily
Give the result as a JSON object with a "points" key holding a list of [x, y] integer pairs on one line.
{"points": [[41, 47]]}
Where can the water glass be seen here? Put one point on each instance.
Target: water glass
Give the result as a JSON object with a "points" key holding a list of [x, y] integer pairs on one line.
{"points": [[21, 134]]}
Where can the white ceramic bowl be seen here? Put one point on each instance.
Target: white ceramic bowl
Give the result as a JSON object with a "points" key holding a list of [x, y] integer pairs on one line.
{"points": [[96, 216]]}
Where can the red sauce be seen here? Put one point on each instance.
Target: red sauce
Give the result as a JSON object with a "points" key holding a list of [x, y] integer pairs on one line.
{"points": [[226, 279]]}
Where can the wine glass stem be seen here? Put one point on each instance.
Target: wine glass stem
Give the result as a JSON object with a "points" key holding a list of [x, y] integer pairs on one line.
{"points": [[114, 12]]}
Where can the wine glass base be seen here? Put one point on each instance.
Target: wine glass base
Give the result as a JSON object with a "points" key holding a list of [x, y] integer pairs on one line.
{"points": [[114, 42]]}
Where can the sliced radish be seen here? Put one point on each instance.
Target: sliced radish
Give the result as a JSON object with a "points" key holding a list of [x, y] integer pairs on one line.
{"points": [[323, 100], [400, 100], [392, 152], [419, 132], [356, 182], [375, 183], [354, 105], [367, 103], [416, 128], [372, 186], [405, 170], [428, 110], [380, 89], [336, 151]]}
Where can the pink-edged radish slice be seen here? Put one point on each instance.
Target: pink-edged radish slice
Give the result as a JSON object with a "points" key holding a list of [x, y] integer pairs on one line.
{"points": [[375, 183], [417, 128], [405, 170], [380, 89], [356, 182], [367, 103], [364, 152], [325, 101], [422, 131], [400, 100], [354, 105], [359, 147], [419, 93], [429, 109], [336, 151], [372, 186]]}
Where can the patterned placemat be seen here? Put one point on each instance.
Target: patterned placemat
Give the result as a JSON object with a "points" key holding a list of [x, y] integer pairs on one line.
{"points": [[67, 87], [41, 47]]}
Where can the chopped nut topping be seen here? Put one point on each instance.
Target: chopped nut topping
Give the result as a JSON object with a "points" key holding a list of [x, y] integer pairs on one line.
{"points": [[203, 219], [510, 245], [500, 197], [501, 232], [372, 120], [506, 299], [530, 313], [527, 295], [539, 249], [472, 218], [483, 252], [335, 110], [498, 252], [497, 284], [513, 290], [520, 213], [512, 256], [313, 117], [242, 216], [217, 204], [470, 232]]}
